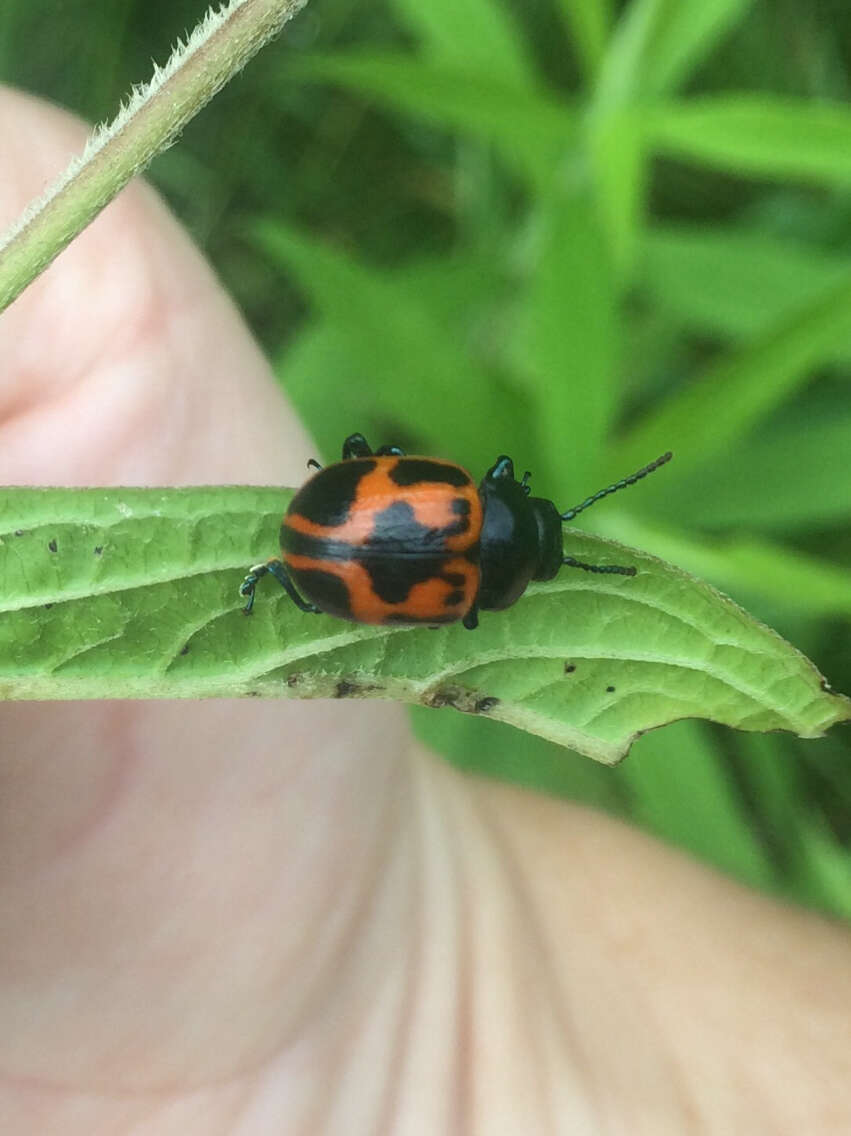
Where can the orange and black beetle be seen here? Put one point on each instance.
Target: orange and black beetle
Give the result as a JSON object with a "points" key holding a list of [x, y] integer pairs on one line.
{"points": [[386, 538]]}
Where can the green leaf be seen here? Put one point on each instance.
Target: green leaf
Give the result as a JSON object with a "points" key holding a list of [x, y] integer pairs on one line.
{"points": [[683, 793], [401, 357], [794, 473], [317, 351], [657, 45], [620, 160], [133, 593], [531, 129], [622, 74], [759, 567], [817, 866], [452, 297], [589, 22], [478, 37], [760, 135], [488, 748], [733, 281], [566, 341], [686, 33], [824, 871], [719, 408]]}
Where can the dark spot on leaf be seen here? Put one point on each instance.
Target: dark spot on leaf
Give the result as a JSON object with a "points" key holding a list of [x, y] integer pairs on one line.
{"points": [[345, 689], [47, 607], [98, 549], [293, 679], [52, 545], [446, 697], [610, 690], [484, 705], [569, 668], [253, 694], [19, 532], [184, 650], [826, 687]]}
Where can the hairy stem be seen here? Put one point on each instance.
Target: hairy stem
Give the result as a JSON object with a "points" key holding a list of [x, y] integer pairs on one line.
{"points": [[146, 125]]}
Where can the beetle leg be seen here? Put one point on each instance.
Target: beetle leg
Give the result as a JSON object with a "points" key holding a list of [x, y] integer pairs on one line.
{"points": [[603, 569], [276, 568], [356, 446], [282, 576], [312, 463], [471, 619], [249, 585]]}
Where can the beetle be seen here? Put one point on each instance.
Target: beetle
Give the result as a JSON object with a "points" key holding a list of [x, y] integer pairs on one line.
{"points": [[386, 538]]}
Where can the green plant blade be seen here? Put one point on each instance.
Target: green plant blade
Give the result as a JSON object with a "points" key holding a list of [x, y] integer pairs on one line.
{"points": [[739, 390], [401, 356], [530, 128], [476, 37], [684, 36], [735, 282], [589, 23], [370, 350], [112, 593], [682, 791], [761, 135], [794, 473], [657, 44], [620, 162], [808, 585], [566, 324]]}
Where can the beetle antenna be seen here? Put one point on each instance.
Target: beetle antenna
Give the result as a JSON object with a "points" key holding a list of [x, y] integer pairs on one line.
{"points": [[569, 514], [602, 569]]}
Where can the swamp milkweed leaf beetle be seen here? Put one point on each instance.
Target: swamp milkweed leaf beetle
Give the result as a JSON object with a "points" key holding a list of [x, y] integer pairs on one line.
{"points": [[387, 538]]}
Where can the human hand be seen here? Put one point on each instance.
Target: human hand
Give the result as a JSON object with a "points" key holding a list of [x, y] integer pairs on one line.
{"points": [[288, 917]]}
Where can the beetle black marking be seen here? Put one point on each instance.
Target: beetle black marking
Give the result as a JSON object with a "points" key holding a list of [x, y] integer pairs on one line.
{"points": [[415, 470], [327, 590], [329, 501]]}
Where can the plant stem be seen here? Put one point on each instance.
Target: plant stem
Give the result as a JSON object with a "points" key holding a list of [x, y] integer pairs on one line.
{"points": [[147, 124]]}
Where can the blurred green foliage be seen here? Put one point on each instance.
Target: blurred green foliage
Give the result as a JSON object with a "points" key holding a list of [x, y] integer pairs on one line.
{"points": [[578, 231]]}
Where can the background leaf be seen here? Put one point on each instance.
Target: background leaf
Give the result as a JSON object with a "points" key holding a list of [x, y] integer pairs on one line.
{"points": [[684, 792], [393, 342], [737, 391], [736, 282], [529, 128], [589, 22], [478, 37], [566, 325], [657, 43], [759, 135]]}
